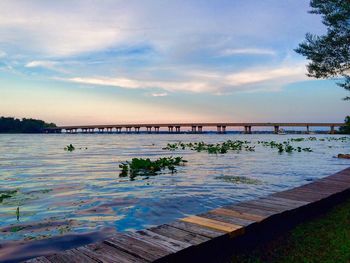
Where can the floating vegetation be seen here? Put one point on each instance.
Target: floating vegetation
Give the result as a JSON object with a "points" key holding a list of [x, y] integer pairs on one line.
{"points": [[17, 213], [238, 179], [284, 146], [218, 148], [146, 167], [16, 228], [329, 139], [7, 194], [69, 148]]}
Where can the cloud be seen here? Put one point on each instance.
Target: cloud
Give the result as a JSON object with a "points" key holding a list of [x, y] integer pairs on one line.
{"points": [[41, 63], [159, 94], [247, 51], [206, 82], [2, 54]]}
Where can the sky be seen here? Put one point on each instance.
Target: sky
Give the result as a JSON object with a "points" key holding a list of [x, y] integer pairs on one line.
{"points": [[132, 61]]}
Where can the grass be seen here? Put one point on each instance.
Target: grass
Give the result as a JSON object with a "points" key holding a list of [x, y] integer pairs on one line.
{"points": [[324, 239]]}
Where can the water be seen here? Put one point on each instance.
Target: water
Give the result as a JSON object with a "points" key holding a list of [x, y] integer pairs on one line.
{"points": [[80, 192]]}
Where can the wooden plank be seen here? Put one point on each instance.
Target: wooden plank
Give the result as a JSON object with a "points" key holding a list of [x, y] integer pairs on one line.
{"points": [[238, 214], [102, 252], [213, 224], [254, 211], [298, 196], [179, 234], [323, 187], [285, 201], [288, 202], [262, 206], [170, 244], [136, 247], [197, 229], [70, 256], [227, 219], [279, 205]]}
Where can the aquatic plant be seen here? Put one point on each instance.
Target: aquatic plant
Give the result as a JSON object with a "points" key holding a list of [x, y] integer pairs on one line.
{"points": [[7, 194], [238, 179], [147, 167], [284, 146], [218, 148], [69, 148], [17, 213]]}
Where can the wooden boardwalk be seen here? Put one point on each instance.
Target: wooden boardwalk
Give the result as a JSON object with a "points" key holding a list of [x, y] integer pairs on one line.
{"points": [[213, 236]]}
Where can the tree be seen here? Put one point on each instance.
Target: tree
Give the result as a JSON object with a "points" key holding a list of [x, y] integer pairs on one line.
{"points": [[345, 129], [330, 53]]}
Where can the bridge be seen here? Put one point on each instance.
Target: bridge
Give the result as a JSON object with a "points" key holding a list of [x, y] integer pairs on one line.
{"points": [[194, 127]]}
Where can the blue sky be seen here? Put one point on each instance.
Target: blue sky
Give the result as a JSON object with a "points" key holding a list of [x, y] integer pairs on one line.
{"points": [[75, 62]]}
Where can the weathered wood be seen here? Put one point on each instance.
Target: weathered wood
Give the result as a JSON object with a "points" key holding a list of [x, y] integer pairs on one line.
{"points": [[254, 211], [170, 244], [227, 219], [214, 224], [263, 205], [179, 234], [197, 229], [136, 247], [102, 252], [286, 202], [70, 256], [238, 214]]}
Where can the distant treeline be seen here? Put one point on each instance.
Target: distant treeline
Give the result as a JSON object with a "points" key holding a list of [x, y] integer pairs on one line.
{"points": [[12, 125]]}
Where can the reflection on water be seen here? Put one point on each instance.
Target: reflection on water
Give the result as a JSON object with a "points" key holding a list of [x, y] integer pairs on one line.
{"points": [[62, 192]]}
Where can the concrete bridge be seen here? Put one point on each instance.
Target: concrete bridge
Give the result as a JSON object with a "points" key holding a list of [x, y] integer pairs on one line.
{"points": [[194, 127]]}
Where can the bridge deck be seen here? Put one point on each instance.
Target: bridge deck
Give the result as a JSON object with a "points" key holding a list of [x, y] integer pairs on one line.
{"points": [[209, 236], [205, 124]]}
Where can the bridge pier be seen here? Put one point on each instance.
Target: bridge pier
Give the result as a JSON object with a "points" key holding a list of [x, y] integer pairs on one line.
{"points": [[218, 128], [170, 129], [128, 129], [194, 129], [137, 129], [223, 129], [200, 129], [332, 131], [149, 129], [247, 129], [118, 129], [100, 130], [177, 129], [156, 129], [276, 129], [307, 129]]}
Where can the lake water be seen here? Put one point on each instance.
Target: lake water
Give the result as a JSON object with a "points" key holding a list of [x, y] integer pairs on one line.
{"points": [[77, 193]]}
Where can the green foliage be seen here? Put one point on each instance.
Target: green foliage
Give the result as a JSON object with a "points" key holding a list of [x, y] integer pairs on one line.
{"points": [[330, 53], [12, 125], [16, 228], [345, 129], [17, 213], [238, 179], [7, 194], [146, 167], [219, 148], [69, 148], [285, 146]]}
